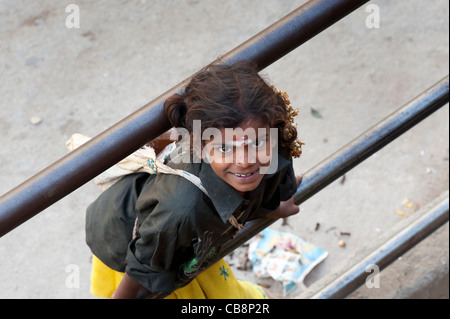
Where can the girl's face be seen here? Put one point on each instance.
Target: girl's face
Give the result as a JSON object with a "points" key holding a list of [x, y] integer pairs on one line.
{"points": [[238, 156]]}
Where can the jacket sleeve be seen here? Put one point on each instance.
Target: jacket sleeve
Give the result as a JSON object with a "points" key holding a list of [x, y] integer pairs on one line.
{"points": [[162, 244], [146, 262], [279, 187], [288, 184], [110, 220]]}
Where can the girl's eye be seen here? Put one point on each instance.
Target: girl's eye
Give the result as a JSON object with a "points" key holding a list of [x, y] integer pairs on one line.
{"points": [[259, 143], [224, 149]]}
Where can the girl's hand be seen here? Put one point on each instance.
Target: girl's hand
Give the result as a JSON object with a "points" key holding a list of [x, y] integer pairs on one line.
{"points": [[287, 208]]}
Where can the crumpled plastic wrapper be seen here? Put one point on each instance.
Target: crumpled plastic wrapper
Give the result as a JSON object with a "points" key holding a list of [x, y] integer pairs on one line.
{"points": [[284, 257]]}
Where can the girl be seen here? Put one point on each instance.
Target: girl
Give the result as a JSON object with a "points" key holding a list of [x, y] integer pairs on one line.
{"points": [[154, 235]]}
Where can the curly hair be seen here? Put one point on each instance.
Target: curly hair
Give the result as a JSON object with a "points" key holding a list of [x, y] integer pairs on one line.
{"points": [[224, 96]]}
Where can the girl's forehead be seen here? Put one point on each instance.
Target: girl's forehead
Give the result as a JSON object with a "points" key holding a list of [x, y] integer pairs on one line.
{"points": [[241, 137], [240, 141], [239, 134], [249, 125], [247, 132]]}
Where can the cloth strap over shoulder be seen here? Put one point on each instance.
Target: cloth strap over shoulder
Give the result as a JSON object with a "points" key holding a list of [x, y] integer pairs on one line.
{"points": [[142, 160]]}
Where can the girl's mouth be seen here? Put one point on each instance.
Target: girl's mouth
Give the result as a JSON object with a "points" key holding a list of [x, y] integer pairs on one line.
{"points": [[245, 176]]}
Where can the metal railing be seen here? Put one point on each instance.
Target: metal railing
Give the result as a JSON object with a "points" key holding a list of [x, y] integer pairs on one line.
{"points": [[147, 123], [421, 226]]}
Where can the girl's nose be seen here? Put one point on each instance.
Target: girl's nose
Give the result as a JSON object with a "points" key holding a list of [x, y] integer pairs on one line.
{"points": [[240, 156], [243, 157]]}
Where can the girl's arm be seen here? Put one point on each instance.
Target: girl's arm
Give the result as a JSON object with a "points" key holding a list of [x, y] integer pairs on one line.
{"points": [[287, 208], [130, 289]]}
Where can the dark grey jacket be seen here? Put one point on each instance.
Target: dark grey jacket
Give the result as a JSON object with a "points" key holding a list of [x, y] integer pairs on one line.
{"points": [[180, 228]]}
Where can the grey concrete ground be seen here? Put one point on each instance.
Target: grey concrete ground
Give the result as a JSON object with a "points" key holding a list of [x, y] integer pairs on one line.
{"points": [[55, 81]]}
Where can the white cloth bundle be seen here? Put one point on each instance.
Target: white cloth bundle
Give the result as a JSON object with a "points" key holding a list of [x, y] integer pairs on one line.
{"points": [[142, 160]]}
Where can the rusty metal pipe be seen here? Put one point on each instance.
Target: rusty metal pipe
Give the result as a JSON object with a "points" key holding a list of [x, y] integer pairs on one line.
{"points": [[420, 228], [147, 123]]}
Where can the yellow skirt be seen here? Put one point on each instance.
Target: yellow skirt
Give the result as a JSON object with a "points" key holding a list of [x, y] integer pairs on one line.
{"points": [[216, 282]]}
